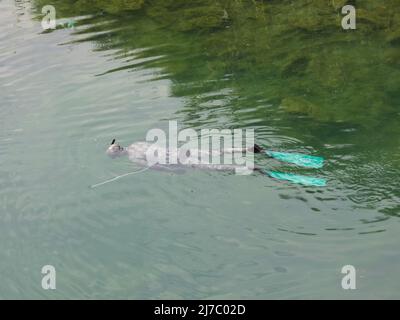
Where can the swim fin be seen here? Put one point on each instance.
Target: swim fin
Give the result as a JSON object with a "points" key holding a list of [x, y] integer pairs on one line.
{"points": [[307, 181], [303, 160]]}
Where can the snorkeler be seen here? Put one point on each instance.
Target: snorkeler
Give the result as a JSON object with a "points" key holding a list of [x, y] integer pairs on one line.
{"points": [[137, 152]]}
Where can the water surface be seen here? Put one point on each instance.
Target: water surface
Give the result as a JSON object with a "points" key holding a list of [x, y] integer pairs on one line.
{"points": [[308, 88]]}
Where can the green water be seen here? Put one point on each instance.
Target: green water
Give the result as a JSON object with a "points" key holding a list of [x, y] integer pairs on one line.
{"points": [[284, 68]]}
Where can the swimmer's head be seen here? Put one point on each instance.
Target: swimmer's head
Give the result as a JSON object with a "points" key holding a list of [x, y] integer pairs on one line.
{"points": [[115, 150]]}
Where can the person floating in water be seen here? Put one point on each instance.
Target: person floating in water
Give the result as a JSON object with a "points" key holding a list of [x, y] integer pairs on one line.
{"points": [[138, 153], [195, 158]]}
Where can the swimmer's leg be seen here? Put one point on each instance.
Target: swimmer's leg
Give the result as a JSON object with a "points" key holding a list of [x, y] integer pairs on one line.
{"points": [[225, 167], [255, 149], [204, 154]]}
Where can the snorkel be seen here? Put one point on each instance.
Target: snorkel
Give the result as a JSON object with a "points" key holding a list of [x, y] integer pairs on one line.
{"points": [[115, 150]]}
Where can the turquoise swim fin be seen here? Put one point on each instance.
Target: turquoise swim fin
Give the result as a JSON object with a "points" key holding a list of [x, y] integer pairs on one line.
{"points": [[303, 160], [307, 181]]}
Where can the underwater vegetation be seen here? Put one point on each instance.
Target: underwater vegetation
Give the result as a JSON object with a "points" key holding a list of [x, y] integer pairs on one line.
{"points": [[292, 54]]}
